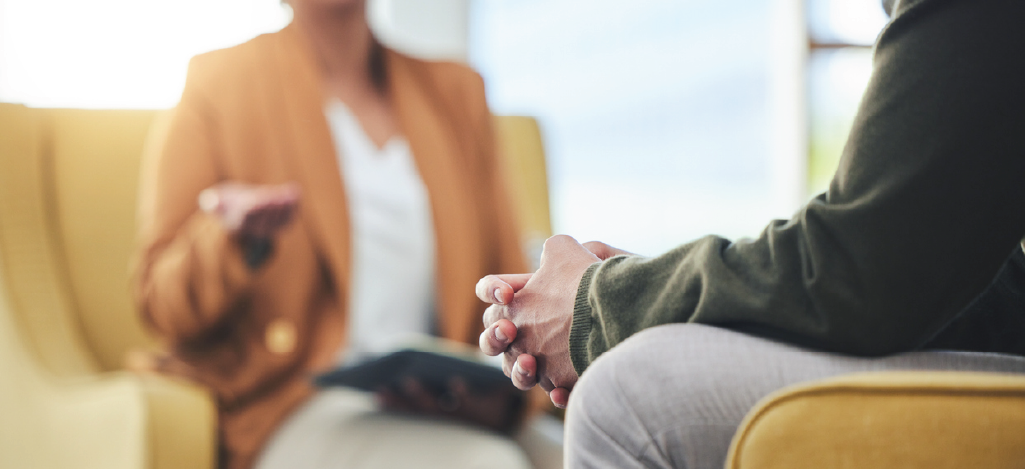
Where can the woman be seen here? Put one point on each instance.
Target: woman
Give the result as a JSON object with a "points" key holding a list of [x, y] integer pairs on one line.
{"points": [[345, 195]]}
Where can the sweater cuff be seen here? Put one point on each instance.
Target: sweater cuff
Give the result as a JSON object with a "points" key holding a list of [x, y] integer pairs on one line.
{"points": [[580, 330]]}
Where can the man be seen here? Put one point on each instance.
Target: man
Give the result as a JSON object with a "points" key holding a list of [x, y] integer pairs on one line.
{"points": [[924, 214]]}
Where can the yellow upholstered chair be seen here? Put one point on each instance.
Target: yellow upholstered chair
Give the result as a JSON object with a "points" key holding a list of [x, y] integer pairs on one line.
{"points": [[67, 208], [68, 183], [521, 146], [906, 420]]}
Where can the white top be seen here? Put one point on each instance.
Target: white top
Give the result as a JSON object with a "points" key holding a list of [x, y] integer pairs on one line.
{"points": [[391, 299]]}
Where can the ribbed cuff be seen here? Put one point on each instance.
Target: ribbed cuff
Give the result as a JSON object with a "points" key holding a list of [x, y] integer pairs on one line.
{"points": [[580, 331]]}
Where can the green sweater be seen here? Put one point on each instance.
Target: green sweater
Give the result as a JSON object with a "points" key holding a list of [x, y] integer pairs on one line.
{"points": [[927, 204]]}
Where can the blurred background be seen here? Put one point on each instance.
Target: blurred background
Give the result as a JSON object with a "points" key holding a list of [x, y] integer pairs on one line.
{"points": [[663, 120]]}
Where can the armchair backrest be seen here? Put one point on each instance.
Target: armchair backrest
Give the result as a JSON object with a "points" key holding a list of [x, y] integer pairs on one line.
{"points": [[521, 147], [68, 180]]}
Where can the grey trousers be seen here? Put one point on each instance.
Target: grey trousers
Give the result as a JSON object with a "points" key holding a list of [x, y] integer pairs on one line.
{"points": [[673, 396]]}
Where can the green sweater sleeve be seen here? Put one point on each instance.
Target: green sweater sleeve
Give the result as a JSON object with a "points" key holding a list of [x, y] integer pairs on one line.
{"points": [[928, 201]]}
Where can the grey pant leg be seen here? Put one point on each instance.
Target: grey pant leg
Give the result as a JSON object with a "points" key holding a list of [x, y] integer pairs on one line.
{"points": [[673, 396]]}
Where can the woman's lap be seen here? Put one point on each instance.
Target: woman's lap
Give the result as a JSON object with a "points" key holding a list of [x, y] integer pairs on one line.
{"points": [[340, 428], [673, 396]]}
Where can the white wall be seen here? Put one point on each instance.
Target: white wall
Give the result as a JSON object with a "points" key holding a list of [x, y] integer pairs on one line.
{"points": [[435, 29]]}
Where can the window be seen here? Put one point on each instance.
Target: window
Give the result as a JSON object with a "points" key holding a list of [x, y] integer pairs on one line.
{"points": [[841, 35], [660, 117], [117, 53]]}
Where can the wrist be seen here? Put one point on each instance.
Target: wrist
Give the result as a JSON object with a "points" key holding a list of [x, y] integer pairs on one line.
{"points": [[580, 328]]}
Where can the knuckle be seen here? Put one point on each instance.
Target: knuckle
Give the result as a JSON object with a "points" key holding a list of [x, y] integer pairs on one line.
{"points": [[516, 349], [557, 240]]}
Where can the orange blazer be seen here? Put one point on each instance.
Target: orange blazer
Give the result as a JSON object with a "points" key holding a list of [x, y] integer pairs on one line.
{"points": [[255, 113]]}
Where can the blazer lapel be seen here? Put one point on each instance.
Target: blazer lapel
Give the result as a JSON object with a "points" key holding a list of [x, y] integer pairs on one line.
{"points": [[311, 155], [433, 141]]}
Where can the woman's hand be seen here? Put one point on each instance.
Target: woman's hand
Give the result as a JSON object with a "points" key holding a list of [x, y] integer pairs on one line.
{"points": [[251, 212], [497, 409]]}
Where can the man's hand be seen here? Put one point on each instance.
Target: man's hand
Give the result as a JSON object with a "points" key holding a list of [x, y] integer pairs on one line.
{"points": [[251, 212], [531, 315]]}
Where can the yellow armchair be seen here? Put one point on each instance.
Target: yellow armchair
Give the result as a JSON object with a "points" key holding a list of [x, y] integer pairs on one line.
{"points": [[67, 202], [68, 184], [907, 420]]}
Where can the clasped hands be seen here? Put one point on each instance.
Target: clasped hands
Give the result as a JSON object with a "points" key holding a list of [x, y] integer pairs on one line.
{"points": [[530, 316]]}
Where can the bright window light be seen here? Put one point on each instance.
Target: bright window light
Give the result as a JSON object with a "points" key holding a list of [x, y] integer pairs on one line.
{"points": [[837, 80], [846, 21], [657, 115], [117, 53]]}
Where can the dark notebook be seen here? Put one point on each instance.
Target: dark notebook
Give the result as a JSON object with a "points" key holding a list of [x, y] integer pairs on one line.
{"points": [[433, 369]]}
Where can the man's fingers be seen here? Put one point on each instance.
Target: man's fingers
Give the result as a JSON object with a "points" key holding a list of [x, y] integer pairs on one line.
{"points": [[499, 289], [496, 339], [486, 286], [524, 372], [546, 383], [604, 251], [492, 314], [507, 365], [559, 397]]}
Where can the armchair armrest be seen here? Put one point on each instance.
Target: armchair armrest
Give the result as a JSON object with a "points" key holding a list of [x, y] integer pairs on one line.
{"points": [[181, 427], [892, 419], [110, 420]]}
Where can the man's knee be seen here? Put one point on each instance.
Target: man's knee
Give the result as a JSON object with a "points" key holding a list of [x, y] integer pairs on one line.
{"points": [[666, 365], [646, 352], [610, 384], [659, 397]]}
